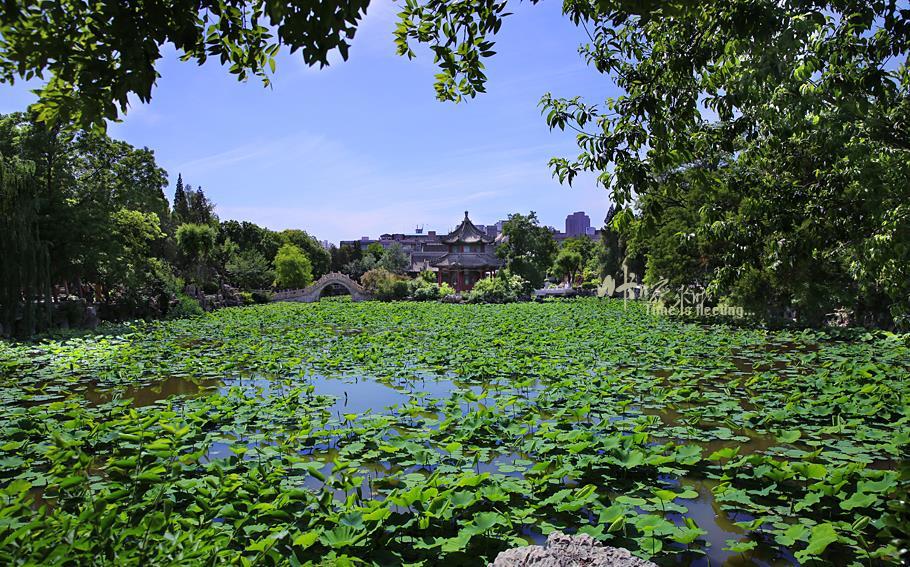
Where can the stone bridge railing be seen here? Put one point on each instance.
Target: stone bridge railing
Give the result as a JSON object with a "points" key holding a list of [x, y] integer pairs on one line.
{"points": [[314, 292]]}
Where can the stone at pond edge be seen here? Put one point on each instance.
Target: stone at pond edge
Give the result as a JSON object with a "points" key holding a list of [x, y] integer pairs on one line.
{"points": [[569, 551]]}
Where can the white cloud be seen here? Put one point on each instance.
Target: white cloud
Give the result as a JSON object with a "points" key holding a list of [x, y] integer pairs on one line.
{"points": [[258, 151]]}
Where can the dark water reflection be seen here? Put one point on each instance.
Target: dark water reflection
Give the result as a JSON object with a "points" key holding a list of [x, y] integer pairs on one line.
{"points": [[148, 394]]}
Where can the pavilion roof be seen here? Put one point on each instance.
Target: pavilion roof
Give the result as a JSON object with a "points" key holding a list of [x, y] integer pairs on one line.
{"points": [[468, 260], [467, 233]]}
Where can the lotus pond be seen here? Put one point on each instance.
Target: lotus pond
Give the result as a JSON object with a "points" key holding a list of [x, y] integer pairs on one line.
{"points": [[432, 434]]}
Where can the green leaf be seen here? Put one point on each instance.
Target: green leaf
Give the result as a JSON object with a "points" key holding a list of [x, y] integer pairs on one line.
{"points": [[687, 535], [821, 537], [484, 521], [789, 436], [740, 546], [306, 539], [858, 500], [688, 454], [796, 532], [810, 500], [651, 545], [341, 536]]}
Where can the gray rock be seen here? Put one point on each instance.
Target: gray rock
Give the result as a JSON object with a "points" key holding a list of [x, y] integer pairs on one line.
{"points": [[569, 551], [90, 318]]}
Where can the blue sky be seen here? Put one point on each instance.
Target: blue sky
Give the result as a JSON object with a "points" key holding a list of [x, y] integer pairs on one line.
{"points": [[363, 147]]}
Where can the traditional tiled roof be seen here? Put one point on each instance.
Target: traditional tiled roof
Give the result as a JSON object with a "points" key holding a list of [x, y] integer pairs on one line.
{"points": [[467, 233], [468, 260]]}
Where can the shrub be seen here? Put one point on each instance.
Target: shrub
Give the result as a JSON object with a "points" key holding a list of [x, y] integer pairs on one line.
{"points": [[384, 285], [428, 276], [374, 279], [186, 307], [420, 289], [246, 297], [500, 289], [261, 297], [397, 290]]}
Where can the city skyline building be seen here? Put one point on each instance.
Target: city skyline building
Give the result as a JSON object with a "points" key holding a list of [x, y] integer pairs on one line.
{"points": [[577, 224]]}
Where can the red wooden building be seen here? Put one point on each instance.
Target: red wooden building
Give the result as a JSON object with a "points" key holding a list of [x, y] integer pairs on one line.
{"points": [[470, 257]]}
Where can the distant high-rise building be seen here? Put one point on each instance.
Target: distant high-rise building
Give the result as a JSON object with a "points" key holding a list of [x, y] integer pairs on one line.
{"points": [[577, 224]]}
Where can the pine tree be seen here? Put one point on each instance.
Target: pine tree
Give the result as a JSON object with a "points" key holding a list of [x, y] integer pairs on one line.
{"points": [[181, 205], [201, 210]]}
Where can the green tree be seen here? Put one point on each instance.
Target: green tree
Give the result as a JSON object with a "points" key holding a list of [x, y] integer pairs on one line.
{"points": [[568, 264], [181, 206], [129, 264], [250, 236], [99, 54], [342, 255], [81, 181], [200, 210], [395, 259], [528, 248], [197, 244], [292, 268], [250, 270], [375, 250], [24, 259], [357, 268], [362, 261], [788, 122], [581, 245], [610, 249], [319, 256]]}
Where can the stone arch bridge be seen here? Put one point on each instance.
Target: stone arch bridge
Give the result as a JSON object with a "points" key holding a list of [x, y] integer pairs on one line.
{"points": [[314, 292]]}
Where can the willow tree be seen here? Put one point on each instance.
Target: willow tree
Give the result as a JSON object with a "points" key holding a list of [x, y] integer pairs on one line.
{"points": [[24, 260]]}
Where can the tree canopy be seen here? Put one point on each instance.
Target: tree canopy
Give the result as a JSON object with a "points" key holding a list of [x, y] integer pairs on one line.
{"points": [[292, 267], [97, 55], [25, 267], [319, 257], [395, 259], [527, 248], [84, 220], [759, 149]]}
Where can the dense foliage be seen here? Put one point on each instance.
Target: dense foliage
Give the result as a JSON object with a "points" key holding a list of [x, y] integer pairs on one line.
{"points": [[24, 269], [758, 150], [432, 434], [357, 263], [762, 147], [527, 248], [502, 288], [293, 269], [100, 53], [425, 288], [85, 221]]}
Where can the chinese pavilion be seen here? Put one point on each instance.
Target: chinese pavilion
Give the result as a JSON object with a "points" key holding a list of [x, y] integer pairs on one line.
{"points": [[469, 257]]}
